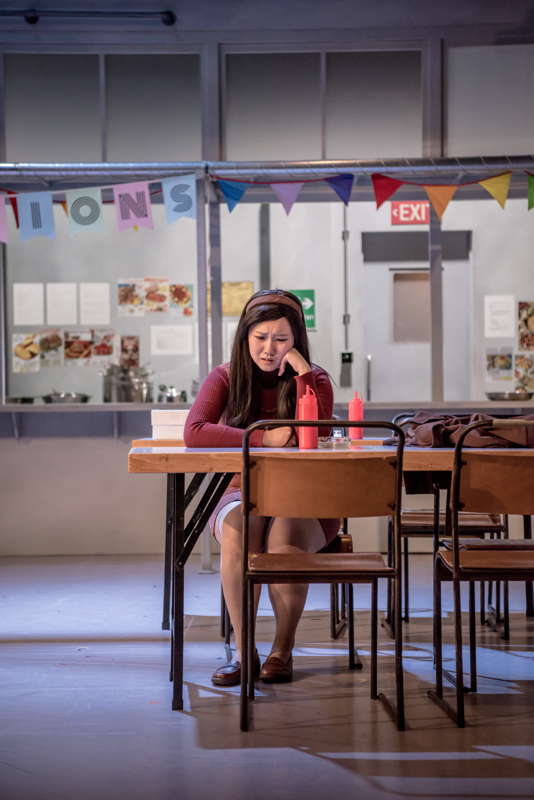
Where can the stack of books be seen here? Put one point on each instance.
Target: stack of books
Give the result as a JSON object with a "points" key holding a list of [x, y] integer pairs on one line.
{"points": [[168, 423]]}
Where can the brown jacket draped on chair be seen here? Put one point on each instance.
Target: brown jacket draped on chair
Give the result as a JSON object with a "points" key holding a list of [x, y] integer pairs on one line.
{"points": [[428, 429]]}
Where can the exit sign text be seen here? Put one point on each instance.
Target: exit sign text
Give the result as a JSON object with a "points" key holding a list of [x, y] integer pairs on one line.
{"points": [[404, 212]]}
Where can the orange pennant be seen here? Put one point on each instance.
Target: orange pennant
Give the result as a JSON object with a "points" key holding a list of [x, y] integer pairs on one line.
{"points": [[498, 187], [440, 197], [63, 204]]}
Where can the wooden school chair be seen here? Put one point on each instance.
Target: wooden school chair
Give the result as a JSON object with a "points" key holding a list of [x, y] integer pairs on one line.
{"points": [[312, 485], [497, 482]]}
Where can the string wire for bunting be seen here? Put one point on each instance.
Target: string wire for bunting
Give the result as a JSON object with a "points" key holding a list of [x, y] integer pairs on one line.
{"points": [[268, 183], [459, 185]]}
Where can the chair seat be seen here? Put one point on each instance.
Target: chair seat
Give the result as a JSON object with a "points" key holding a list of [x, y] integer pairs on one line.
{"points": [[491, 544], [421, 522], [324, 564], [492, 560]]}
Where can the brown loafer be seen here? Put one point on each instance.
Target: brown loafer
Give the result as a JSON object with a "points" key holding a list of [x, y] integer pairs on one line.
{"points": [[230, 674], [275, 670]]}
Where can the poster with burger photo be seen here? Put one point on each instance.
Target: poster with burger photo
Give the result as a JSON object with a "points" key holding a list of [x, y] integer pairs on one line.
{"points": [[156, 294], [78, 348], [51, 348]]}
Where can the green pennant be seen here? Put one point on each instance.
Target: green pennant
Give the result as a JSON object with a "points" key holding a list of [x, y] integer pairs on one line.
{"points": [[530, 192]]}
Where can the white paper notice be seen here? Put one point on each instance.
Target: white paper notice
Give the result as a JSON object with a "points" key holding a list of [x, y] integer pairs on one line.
{"points": [[95, 306], [61, 308], [230, 328], [171, 340], [499, 317], [28, 304]]}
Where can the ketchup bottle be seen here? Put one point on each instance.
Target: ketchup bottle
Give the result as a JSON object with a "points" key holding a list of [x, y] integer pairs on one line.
{"points": [[307, 409], [356, 414]]}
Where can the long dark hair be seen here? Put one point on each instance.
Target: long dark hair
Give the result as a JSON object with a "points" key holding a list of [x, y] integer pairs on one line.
{"points": [[243, 399]]}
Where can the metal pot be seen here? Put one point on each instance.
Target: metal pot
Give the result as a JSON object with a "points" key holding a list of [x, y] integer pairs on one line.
{"points": [[518, 394], [127, 384], [66, 397]]}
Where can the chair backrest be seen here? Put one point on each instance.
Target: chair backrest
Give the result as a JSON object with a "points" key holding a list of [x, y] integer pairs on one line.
{"points": [[322, 483], [500, 482], [325, 484]]}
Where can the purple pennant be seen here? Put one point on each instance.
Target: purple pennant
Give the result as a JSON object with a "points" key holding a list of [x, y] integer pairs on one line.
{"points": [[233, 191], [342, 186], [287, 193]]}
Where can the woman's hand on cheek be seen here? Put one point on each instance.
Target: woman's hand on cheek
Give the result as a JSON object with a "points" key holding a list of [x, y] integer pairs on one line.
{"points": [[295, 361]]}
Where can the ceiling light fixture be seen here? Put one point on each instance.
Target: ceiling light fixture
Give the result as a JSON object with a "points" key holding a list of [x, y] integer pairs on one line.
{"points": [[33, 16]]}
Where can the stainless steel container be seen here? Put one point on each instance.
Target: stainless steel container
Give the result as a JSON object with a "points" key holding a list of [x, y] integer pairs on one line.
{"points": [[127, 384]]}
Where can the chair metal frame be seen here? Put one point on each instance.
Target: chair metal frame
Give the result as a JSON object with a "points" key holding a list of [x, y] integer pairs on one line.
{"points": [[472, 567], [324, 574]]}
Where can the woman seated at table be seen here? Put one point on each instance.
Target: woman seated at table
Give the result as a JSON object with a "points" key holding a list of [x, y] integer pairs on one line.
{"points": [[269, 371]]}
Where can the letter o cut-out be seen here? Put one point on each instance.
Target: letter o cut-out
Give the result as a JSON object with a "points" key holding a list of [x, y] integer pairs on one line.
{"points": [[85, 218]]}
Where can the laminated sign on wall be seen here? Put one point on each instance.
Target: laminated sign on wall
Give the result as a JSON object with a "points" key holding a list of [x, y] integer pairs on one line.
{"points": [[307, 298]]}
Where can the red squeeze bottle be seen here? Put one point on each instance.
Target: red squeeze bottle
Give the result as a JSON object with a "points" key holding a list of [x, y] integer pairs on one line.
{"points": [[307, 410], [356, 414]]}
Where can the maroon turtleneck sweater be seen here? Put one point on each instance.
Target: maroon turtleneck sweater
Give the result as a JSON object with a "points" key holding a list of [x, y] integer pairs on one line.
{"points": [[203, 428]]}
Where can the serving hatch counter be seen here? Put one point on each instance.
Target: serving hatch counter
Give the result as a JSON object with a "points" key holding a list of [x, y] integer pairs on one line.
{"points": [[132, 420]]}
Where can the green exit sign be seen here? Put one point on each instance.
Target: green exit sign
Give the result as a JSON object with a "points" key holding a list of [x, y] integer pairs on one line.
{"points": [[307, 298]]}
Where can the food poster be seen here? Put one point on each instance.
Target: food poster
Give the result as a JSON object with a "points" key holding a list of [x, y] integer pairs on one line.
{"points": [[26, 352], [499, 365], [156, 294], [525, 324], [130, 297], [78, 348], [524, 371], [181, 299], [129, 351], [104, 347], [234, 296], [51, 348]]}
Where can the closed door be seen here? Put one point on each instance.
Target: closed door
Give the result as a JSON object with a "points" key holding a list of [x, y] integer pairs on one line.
{"points": [[396, 331]]}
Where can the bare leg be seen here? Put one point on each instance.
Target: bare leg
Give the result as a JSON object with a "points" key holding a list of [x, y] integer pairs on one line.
{"points": [[231, 550], [288, 599]]}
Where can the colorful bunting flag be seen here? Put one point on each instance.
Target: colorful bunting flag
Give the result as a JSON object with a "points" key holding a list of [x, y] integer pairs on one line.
{"points": [[342, 186], [530, 191], [84, 210], [287, 193], [132, 204], [13, 201], [36, 215], [440, 197], [3, 219], [180, 197], [384, 187], [232, 191], [498, 187]]}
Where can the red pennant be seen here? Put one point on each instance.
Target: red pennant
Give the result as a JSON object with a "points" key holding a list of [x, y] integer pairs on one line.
{"points": [[13, 201], [384, 187]]}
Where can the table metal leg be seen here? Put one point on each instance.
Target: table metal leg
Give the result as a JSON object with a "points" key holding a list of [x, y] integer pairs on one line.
{"points": [[178, 593], [527, 527], [167, 575]]}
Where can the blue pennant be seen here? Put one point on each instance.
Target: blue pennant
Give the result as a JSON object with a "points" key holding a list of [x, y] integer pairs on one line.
{"points": [[342, 186], [233, 192]]}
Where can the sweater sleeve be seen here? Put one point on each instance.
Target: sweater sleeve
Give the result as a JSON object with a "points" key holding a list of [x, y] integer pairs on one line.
{"points": [[202, 428], [318, 380]]}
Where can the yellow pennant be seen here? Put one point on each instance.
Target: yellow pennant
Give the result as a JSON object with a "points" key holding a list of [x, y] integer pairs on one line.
{"points": [[498, 187], [440, 197]]}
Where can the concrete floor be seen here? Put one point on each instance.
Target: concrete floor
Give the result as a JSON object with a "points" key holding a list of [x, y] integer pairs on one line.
{"points": [[85, 699]]}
